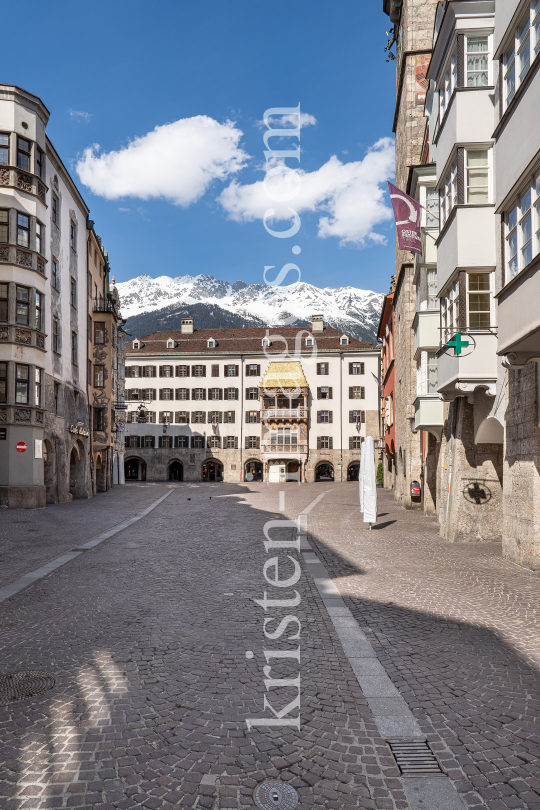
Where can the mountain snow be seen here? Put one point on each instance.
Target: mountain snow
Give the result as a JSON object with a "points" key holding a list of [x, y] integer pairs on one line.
{"points": [[341, 306]]}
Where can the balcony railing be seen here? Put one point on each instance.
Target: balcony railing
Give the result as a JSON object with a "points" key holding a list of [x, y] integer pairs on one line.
{"points": [[284, 413], [102, 304], [284, 448]]}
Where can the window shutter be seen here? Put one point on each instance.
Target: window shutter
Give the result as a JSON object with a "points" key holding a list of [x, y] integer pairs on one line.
{"points": [[160, 439], [204, 371], [204, 393], [247, 393], [363, 416], [220, 393], [318, 442], [318, 417], [127, 441], [361, 368], [351, 417], [330, 419], [236, 442], [236, 392], [350, 393], [329, 393], [350, 368], [351, 442], [161, 371], [215, 371], [153, 371], [362, 393], [258, 416], [128, 371], [330, 443], [236, 371], [247, 417], [318, 393], [258, 370], [318, 368]]}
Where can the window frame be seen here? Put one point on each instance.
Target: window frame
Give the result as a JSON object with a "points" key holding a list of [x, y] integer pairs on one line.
{"points": [[23, 231], [22, 384], [20, 303], [514, 229], [488, 167], [4, 227], [489, 292], [39, 160], [4, 302], [98, 378], [526, 35], [4, 392], [56, 335], [466, 53], [39, 311], [27, 154], [6, 147]]}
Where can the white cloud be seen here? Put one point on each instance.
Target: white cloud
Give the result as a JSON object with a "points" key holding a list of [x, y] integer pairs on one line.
{"points": [[289, 121], [177, 161], [80, 115], [351, 194], [124, 209]]}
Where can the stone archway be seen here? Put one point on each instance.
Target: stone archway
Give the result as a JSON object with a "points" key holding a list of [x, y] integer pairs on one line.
{"points": [[253, 470], [324, 471], [50, 472], [212, 470], [77, 470], [353, 471], [176, 471]]}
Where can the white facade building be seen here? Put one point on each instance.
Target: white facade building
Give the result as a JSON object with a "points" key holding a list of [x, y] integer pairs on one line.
{"points": [[250, 404]]}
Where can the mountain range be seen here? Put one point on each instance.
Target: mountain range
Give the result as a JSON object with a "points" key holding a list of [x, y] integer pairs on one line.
{"points": [[158, 304]]}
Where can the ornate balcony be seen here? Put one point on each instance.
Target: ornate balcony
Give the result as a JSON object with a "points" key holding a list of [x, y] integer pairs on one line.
{"points": [[284, 448], [284, 413]]}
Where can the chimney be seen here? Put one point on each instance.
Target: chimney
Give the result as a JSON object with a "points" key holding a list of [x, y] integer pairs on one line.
{"points": [[187, 326], [317, 323]]}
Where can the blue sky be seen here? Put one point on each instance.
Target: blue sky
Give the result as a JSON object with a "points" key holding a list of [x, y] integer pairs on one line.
{"points": [[130, 67]]}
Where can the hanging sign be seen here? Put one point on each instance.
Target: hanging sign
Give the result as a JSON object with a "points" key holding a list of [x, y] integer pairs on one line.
{"points": [[408, 220]]}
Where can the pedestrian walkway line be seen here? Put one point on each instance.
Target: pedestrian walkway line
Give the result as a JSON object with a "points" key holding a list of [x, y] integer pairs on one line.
{"points": [[39, 573], [393, 717]]}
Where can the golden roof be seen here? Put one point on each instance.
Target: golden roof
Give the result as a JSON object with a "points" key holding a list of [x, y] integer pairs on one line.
{"points": [[284, 375]]}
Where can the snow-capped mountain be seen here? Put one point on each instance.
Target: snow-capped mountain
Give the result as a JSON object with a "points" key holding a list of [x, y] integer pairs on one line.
{"points": [[152, 304]]}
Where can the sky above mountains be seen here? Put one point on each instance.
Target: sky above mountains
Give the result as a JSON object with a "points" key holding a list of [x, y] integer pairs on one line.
{"points": [[157, 112]]}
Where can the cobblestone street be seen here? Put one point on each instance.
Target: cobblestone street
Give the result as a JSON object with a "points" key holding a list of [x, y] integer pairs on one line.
{"points": [[146, 635]]}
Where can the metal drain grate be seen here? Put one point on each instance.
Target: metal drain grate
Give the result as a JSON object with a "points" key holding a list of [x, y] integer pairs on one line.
{"points": [[24, 685], [415, 758], [272, 794]]}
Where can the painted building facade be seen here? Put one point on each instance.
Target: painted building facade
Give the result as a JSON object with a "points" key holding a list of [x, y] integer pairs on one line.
{"points": [[249, 404]]}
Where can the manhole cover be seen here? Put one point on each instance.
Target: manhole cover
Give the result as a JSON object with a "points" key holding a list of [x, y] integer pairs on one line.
{"points": [[24, 685], [275, 795]]}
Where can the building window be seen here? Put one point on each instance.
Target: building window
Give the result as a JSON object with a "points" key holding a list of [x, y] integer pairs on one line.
{"points": [[309, 341], [215, 371], [182, 393], [450, 313], [344, 340], [181, 441], [99, 376], [231, 371], [74, 352], [133, 394], [149, 371], [56, 335], [73, 236], [197, 442], [357, 417], [517, 60], [322, 368], [211, 344], [215, 417], [253, 416], [23, 154], [4, 302], [166, 371], [477, 176], [4, 227], [55, 210], [253, 443], [448, 193], [213, 442], [198, 371], [356, 368], [73, 292], [3, 383], [99, 332], [198, 417], [324, 416], [22, 383], [325, 443], [166, 393], [23, 230], [215, 393], [357, 392], [149, 441], [252, 393], [166, 418], [39, 312], [477, 61], [55, 275], [479, 300], [181, 418], [432, 372], [228, 417], [38, 386], [56, 398], [432, 207], [355, 442], [23, 297], [448, 84], [324, 392], [40, 163], [520, 246], [284, 437], [198, 393], [132, 371], [40, 238], [253, 370], [166, 442], [148, 394], [230, 442], [4, 149], [231, 393], [182, 371]]}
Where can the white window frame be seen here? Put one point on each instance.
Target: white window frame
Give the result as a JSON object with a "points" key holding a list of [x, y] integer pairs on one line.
{"points": [[529, 27], [450, 312], [479, 148], [448, 82], [492, 310], [477, 35], [533, 188]]}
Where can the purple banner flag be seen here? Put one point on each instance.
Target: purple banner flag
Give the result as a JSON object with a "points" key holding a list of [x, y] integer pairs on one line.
{"points": [[407, 213]]}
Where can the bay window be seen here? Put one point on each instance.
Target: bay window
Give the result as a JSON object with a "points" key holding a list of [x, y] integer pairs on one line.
{"points": [[523, 49], [479, 300], [477, 176], [477, 61], [522, 230]]}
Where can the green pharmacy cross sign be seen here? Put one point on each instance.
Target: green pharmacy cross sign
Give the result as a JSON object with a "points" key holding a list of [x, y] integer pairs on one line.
{"points": [[457, 343]]}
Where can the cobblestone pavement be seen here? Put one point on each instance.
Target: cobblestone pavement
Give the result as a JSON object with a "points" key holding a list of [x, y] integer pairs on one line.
{"points": [[457, 628], [146, 637]]}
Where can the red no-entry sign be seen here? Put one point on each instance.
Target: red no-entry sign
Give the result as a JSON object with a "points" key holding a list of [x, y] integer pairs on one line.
{"points": [[21, 447]]}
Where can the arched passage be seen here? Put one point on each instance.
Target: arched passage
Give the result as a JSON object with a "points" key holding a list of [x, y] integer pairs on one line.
{"points": [[253, 470], [212, 470], [324, 471], [176, 471], [135, 469], [77, 483], [353, 471]]}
